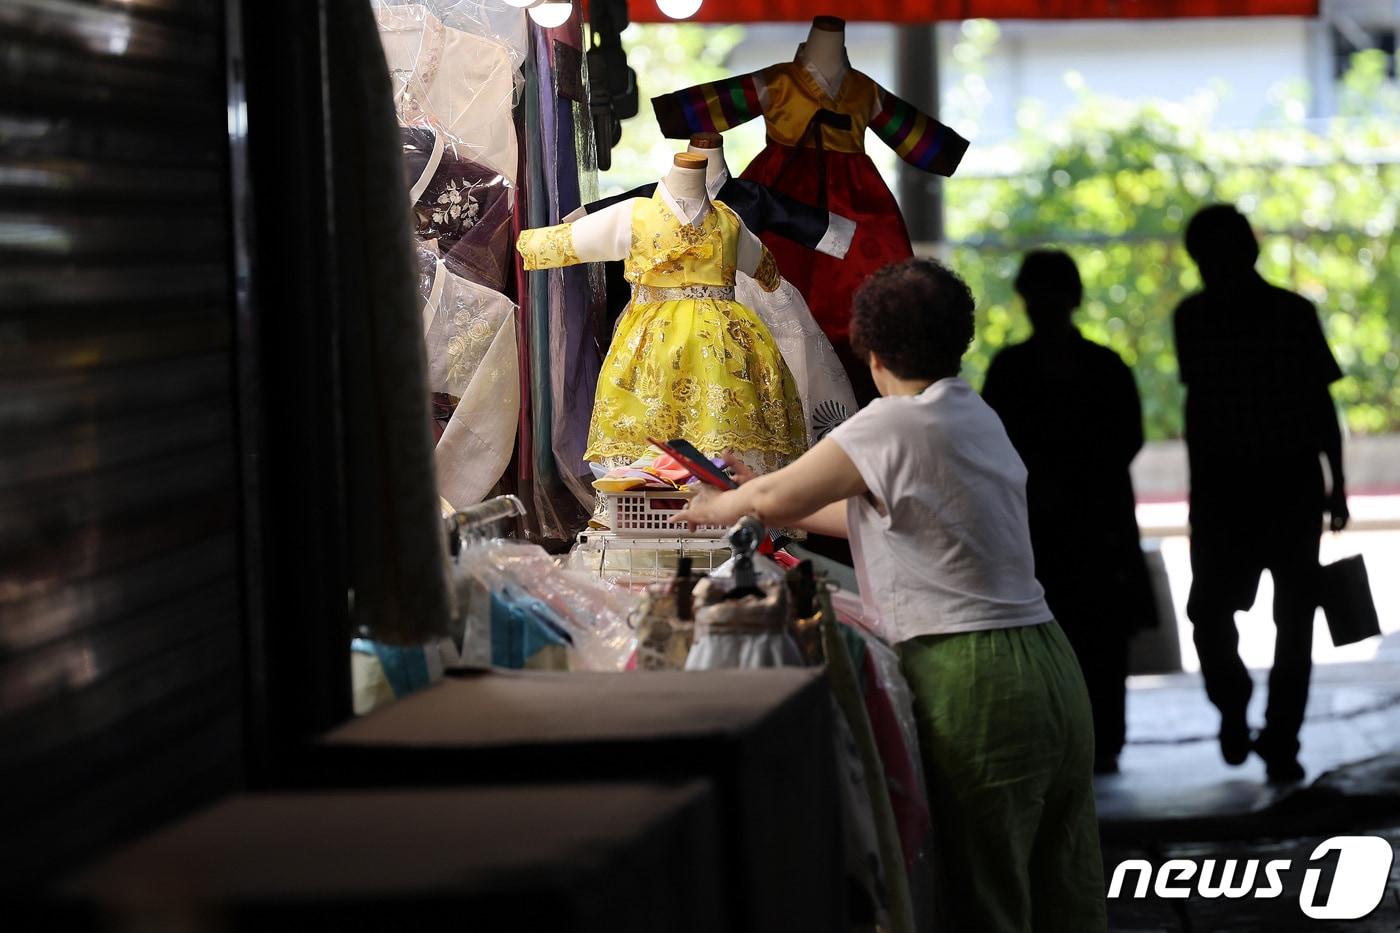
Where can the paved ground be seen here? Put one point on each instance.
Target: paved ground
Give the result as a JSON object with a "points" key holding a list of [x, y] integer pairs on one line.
{"points": [[1175, 798]]}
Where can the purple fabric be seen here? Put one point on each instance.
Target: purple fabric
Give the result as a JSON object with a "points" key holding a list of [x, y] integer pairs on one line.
{"points": [[466, 207]]}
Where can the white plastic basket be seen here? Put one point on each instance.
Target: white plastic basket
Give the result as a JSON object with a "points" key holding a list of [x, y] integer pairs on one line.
{"points": [[641, 559], [648, 513]]}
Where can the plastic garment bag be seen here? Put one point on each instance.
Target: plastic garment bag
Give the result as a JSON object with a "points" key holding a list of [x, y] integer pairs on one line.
{"points": [[592, 613], [466, 206], [474, 378], [744, 632], [742, 610], [464, 82]]}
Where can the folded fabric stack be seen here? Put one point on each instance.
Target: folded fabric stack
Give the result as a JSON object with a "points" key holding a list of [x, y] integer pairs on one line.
{"points": [[662, 472]]}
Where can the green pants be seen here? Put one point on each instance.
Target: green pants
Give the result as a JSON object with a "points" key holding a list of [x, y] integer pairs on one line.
{"points": [[1008, 749]]}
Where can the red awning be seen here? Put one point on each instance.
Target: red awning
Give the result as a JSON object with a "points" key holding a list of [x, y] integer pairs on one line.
{"points": [[923, 11]]}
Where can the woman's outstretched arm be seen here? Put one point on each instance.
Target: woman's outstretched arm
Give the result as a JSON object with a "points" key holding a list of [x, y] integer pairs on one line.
{"points": [[809, 493]]}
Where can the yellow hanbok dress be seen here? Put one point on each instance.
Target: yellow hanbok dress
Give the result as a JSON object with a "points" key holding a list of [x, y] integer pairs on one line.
{"points": [[686, 360]]}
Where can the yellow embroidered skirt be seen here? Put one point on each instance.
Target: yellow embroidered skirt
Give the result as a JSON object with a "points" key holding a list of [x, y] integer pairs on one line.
{"points": [[703, 369]]}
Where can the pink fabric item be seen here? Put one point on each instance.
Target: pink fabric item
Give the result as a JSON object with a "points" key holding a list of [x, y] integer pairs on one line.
{"points": [[668, 467]]}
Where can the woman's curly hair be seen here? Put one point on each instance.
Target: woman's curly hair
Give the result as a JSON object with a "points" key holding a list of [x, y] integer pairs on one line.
{"points": [[916, 316]]}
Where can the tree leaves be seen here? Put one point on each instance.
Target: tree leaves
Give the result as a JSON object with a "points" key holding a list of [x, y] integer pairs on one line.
{"points": [[1115, 188]]}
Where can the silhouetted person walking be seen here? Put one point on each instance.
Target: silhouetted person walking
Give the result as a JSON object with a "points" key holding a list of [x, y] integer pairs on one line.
{"points": [[1258, 414], [1071, 408]]}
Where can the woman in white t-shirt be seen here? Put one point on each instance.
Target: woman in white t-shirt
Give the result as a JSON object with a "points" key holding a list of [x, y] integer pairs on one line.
{"points": [[932, 495]]}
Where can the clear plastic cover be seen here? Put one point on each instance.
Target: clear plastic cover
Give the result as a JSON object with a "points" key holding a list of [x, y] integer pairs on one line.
{"points": [[448, 65], [474, 378], [489, 19], [463, 205], [594, 613]]}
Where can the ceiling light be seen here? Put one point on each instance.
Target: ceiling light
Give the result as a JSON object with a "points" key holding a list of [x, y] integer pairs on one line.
{"points": [[523, 3], [679, 9], [551, 14]]}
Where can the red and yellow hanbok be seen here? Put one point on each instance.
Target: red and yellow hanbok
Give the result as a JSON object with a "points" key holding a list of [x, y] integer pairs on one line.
{"points": [[816, 153]]}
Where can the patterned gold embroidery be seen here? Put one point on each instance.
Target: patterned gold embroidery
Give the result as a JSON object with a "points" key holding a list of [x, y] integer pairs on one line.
{"points": [[548, 247], [652, 293], [697, 364], [766, 275]]}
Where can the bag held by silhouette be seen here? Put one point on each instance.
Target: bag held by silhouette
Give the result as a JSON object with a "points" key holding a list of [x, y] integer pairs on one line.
{"points": [[1345, 598]]}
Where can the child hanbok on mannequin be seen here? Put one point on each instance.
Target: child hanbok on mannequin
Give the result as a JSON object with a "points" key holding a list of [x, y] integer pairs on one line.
{"points": [[687, 359], [827, 397], [816, 109]]}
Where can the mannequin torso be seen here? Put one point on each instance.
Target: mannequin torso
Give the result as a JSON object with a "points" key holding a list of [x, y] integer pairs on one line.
{"points": [[686, 183], [711, 147], [825, 49]]}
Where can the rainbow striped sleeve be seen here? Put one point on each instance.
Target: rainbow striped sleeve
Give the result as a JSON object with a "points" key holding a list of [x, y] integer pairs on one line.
{"points": [[709, 108], [916, 137]]}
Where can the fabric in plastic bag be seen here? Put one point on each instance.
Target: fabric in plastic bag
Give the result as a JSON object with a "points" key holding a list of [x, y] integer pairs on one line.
{"points": [[461, 82], [593, 613], [464, 205], [747, 632], [474, 378]]}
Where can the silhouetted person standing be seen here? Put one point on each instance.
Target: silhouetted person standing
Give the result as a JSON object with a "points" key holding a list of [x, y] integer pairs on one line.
{"points": [[1258, 415], [1071, 408]]}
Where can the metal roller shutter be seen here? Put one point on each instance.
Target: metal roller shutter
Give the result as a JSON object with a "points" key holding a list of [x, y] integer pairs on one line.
{"points": [[121, 646]]}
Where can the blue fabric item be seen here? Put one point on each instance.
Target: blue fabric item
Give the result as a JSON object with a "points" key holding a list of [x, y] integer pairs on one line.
{"points": [[406, 669], [521, 626]]}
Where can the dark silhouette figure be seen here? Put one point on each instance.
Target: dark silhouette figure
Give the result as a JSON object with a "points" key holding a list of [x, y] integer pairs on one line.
{"points": [[1258, 413], [1072, 411]]}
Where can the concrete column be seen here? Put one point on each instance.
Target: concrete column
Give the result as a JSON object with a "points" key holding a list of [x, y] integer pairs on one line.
{"points": [[916, 71]]}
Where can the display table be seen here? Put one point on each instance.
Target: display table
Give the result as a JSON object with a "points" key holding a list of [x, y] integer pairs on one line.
{"points": [[595, 858], [762, 737]]}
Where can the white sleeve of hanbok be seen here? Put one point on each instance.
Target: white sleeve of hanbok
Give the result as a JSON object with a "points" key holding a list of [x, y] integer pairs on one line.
{"points": [[598, 237]]}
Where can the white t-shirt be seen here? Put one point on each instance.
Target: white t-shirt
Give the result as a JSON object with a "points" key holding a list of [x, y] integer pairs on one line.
{"points": [[941, 543]]}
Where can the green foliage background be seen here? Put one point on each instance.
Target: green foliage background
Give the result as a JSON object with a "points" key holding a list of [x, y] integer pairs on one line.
{"points": [[1114, 186]]}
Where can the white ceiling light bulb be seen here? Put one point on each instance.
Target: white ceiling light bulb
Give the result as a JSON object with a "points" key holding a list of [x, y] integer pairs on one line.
{"points": [[679, 9], [551, 14], [523, 3]]}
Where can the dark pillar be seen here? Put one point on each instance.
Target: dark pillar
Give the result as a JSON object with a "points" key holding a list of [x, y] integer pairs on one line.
{"points": [[916, 80]]}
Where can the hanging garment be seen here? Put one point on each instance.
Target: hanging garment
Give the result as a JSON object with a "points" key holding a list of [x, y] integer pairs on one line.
{"points": [[569, 354], [748, 632], [496, 20], [743, 630], [884, 860], [687, 360], [460, 82], [827, 396], [474, 377], [816, 154], [463, 205]]}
